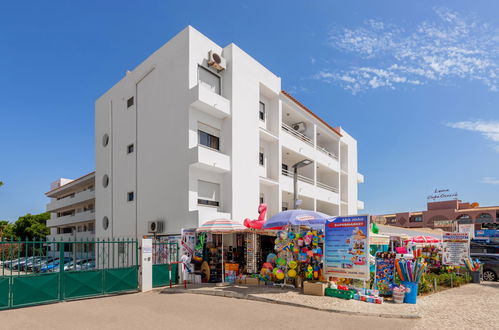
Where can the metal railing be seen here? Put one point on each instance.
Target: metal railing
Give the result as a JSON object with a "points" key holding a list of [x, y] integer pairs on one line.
{"points": [[327, 152], [300, 177], [18, 258], [327, 187], [297, 134]]}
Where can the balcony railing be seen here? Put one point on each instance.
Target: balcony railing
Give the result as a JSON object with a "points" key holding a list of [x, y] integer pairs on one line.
{"points": [[300, 177], [327, 152], [327, 187], [297, 134]]}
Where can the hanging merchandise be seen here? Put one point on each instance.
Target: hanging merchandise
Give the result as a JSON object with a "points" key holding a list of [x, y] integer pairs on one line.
{"points": [[198, 250], [385, 267]]}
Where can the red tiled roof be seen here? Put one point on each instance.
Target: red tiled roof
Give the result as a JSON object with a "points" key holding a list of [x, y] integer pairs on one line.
{"points": [[301, 105]]}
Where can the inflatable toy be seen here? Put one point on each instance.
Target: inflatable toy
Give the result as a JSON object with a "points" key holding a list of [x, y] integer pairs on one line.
{"points": [[291, 235], [280, 261], [280, 274], [292, 264], [258, 223], [267, 265], [271, 257], [291, 273], [198, 250]]}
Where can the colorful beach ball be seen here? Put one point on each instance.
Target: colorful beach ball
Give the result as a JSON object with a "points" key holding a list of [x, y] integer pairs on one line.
{"points": [[291, 273], [292, 264], [271, 257], [280, 274], [280, 261]]}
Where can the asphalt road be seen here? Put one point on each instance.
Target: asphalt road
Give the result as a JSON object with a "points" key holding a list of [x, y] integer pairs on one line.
{"points": [[184, 311]]}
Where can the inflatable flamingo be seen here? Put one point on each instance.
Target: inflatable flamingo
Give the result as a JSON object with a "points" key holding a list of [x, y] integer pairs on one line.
{"points": [[257, 224]]}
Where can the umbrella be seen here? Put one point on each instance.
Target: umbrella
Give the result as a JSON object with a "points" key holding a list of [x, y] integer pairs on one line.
{"points": [[423, 239], [221, 226], [297, 218]]}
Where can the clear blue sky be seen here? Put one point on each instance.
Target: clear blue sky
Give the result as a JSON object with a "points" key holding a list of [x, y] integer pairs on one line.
{"points": [[416, 83]]}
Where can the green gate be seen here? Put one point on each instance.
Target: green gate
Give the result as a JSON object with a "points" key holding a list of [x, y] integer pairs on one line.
{"points": [[165, 263], [36, 272]]}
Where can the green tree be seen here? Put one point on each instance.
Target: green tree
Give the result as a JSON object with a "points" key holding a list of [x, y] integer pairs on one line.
{"points": [[6, 230], [32, 226]]}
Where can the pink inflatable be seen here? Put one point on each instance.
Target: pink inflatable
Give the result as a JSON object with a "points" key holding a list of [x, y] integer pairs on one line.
{"points": [[258, 223]]}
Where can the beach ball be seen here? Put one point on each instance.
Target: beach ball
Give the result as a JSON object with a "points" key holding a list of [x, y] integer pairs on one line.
{"points": [[280, 261], [291, 235], [274, 271], [292, 264], [291, 273], [280, 274], [268, 265], [271, 257]]}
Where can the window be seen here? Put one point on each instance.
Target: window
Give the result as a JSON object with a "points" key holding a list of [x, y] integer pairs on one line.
{"points": [[262, 111], [130, 196], [285, 169], [484, 216], [105, 223], [208, 193], [209, 80], [105, 140], [105, 180], [262, 159], [129, 102], [129, 148], [262, 199], [284, 206], [209, 136], [416, 218]]}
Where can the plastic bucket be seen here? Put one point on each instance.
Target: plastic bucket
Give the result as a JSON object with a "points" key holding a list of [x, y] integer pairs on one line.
{"points": [[398, 296], [475, 277], [411, 293]]}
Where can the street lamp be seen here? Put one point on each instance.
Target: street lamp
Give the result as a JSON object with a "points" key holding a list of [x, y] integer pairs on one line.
{"points": [[296, 166]]}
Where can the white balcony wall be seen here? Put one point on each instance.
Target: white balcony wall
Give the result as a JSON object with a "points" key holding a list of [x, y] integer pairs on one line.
{"points": [[209, 159], [209, 102], [78, 198], [70, 219]]}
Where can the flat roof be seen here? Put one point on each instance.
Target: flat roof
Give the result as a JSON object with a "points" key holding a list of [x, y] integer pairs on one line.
{"points": [[71, 184]]}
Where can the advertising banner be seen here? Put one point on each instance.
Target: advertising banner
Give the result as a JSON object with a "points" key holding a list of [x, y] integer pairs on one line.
{"points": [[187, 242], [456, 247], [467, 228], [346, 247]]}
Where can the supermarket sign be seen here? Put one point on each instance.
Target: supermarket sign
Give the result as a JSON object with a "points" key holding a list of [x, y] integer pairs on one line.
{"points": [[456, 247]]}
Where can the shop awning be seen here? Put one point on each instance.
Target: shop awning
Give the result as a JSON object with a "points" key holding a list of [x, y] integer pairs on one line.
{"points": [[221, 226], [377, 239]]}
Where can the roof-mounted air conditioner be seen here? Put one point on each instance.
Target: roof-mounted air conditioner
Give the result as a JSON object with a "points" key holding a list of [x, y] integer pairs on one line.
{"points": [[216, 61]]}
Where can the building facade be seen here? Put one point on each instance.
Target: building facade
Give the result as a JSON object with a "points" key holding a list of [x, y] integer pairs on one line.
{"points": [[446, 215], [199, 131], [72, 209]]}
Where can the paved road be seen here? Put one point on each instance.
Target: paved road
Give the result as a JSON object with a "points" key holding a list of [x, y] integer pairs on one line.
{"points": [[184, 311]]}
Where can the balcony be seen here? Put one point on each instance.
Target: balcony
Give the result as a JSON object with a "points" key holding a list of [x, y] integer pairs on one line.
{"points": [[66, 202], [206, 213], [70, 219], [209, 159], [211, 103], [306, 185]]}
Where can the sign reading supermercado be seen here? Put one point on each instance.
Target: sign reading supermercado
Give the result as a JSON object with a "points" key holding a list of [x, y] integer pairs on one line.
{"points": [[346, 247], [456, 247]]}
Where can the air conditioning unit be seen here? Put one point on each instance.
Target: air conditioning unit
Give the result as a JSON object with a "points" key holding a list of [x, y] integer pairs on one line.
{"points": [[155, 226], [300, 127], [216, 60]]}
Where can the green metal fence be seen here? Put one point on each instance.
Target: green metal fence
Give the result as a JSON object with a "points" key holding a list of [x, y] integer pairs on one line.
{"points": [[38, 272], [165, 263]]}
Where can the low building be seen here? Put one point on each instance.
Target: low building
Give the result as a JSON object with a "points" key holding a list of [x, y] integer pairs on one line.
{"points": [[446, 215], [72, 209]]}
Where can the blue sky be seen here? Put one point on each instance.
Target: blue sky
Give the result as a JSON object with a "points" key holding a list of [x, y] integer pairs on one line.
{"points": [[416, 83]]}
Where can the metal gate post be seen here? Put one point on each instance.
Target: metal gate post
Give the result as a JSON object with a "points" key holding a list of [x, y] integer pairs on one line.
{"points": [[61, 270]]}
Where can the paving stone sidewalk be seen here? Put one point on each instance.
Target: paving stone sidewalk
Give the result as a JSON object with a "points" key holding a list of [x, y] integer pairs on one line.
{"points": [[470, 306]]}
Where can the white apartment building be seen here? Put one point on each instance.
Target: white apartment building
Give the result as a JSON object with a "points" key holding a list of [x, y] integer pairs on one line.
{"points": [[199, 131], [72, 209]]}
